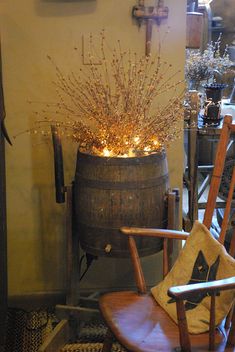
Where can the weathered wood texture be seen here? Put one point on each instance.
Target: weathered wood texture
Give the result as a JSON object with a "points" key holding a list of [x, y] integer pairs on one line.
{"points": [[156, 331], [113, 192]]}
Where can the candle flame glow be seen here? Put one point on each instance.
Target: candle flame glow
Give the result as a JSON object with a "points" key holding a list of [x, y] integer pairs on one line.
{"points": [[156, 143], [107, 152], [137, 140]]}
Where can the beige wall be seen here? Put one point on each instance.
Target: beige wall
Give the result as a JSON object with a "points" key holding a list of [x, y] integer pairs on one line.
{"points": [[31, 29]]}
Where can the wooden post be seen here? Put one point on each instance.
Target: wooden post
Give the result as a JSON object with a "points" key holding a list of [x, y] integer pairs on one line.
{"points": [[57, 339], [212, 323], [3, 221], [108, 342], [183, 327], [72, 297], [193, 158], [3, 242], [171, 225], [139, 276]]}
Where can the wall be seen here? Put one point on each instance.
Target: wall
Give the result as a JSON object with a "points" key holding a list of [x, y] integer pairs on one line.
{"points": [[31, 30]]}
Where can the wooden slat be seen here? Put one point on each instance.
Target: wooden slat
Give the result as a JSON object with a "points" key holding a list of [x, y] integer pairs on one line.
{"points": [[183, 327], [3, 242], [193, 157], [140, 231], [232, 244], [203, 186], [224, 225], [57, 339], [171, 211], [218, 170], [212, 324], [65, 312], [108, 341], [139, 276], [231, 336], [202, 205], [3, 218], [72, 297], [165, 257], [172, 223], [185, 291]]}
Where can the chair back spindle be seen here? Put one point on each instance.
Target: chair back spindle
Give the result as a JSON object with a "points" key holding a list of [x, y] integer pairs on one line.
{"points": [[139, 276], [227, 209], [217, 171], [212, 324]]}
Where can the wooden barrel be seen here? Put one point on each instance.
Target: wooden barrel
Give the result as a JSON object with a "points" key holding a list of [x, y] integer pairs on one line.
{"points": [[114, 192]]}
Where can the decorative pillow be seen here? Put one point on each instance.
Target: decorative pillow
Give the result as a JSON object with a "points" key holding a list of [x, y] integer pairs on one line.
{"points": [[202, 259]]}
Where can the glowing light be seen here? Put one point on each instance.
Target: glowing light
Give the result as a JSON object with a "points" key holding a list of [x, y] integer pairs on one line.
{"points": [[137, 140], [147, 149], [131, 153], [107, 152], [201, 2], [156, 143]]}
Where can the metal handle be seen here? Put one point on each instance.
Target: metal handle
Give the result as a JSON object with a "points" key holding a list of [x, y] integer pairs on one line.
{"points": [[58, 165]]}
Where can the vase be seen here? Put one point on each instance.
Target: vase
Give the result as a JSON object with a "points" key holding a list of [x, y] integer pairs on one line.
{"points": [[212, 111]]}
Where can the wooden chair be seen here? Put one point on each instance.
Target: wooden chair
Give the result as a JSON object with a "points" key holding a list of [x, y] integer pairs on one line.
{"points": [[138, 322]]}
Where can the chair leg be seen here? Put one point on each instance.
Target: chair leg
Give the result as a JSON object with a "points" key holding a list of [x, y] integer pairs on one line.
{"points": [[231, 336], [108, 342]]}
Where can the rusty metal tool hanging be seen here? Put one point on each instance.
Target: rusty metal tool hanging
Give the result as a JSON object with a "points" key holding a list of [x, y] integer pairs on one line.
{"points": [[150, 15]]}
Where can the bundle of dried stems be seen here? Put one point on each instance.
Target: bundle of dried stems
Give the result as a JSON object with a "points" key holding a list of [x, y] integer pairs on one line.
{"points": [[110, 109]]}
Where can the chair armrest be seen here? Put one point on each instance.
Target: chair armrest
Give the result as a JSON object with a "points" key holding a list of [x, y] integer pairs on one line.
{"points": [[181, 293], [184, 292], [148, 232]]}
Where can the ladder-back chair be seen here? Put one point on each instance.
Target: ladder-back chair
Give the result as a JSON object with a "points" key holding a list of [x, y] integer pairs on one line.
{"points": [[136, 320]]}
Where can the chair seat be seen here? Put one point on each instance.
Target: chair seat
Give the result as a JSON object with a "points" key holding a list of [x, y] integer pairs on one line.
{"points": [[141, 325]]}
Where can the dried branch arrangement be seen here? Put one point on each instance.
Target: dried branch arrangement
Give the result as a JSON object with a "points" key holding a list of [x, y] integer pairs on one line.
{"points": [[202, 66], [110, 109]]}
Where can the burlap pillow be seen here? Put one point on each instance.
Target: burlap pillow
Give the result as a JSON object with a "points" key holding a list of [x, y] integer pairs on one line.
{"points": [[202, 259]]}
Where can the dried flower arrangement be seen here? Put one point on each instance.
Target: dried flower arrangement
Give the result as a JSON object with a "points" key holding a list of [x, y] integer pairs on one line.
{"points": [[109, 109], [203, 66]]}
